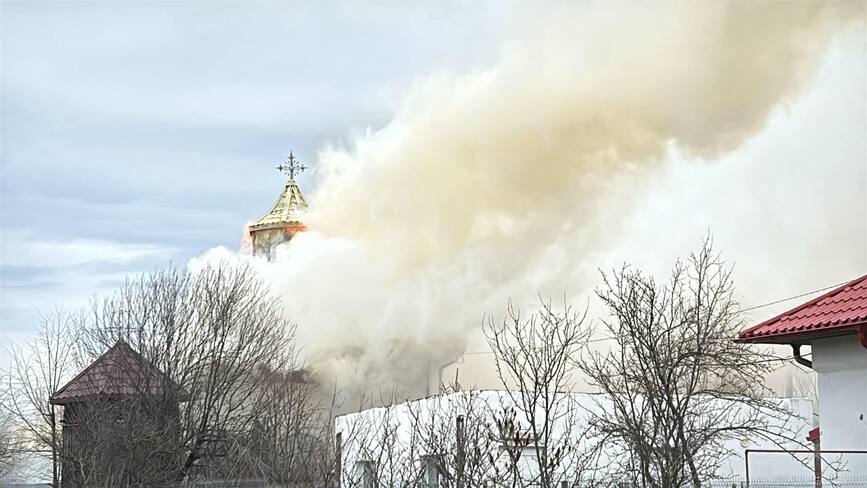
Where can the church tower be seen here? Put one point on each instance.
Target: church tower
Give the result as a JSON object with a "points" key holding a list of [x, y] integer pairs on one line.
{"points": [[285, 219]]}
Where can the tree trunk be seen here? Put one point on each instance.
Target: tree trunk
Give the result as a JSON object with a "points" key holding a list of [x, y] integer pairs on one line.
{"points": [[55, 475]]}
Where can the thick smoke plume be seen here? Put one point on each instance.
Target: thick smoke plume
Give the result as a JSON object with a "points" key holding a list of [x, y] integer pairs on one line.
{"points": [[502, 183]]}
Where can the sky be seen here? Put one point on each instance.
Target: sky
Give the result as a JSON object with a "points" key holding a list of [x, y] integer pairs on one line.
{"points": [[136, 134], [140, 133]]}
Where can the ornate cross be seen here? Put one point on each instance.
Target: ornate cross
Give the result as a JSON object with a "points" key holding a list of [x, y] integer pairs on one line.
{"points": [[291, 166]]}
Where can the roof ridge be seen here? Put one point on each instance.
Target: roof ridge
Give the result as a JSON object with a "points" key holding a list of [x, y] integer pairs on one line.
{"points": [[750, 330], [89, 367], [114, 359]]}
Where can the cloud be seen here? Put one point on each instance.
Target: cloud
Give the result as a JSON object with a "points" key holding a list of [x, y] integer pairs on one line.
{"points": [[527, 175], [148, 132], [38, 273], [30, 250]]}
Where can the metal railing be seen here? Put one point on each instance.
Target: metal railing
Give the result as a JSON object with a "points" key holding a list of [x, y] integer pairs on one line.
{"points": [[219, 484], [788, 482]]}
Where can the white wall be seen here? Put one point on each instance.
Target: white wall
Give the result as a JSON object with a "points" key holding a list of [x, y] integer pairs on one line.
{"points": [[841, 363], [363, 428]]}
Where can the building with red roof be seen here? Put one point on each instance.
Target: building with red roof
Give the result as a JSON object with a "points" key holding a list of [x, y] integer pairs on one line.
{"points": [[834, 325], [842, 311]]}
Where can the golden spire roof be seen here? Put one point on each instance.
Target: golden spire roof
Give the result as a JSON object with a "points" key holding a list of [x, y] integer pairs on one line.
{"points": [[288, 209]]}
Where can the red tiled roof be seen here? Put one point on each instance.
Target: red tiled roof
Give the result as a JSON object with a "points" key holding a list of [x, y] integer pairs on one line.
{"points": [[120, 371], [835, 312]]}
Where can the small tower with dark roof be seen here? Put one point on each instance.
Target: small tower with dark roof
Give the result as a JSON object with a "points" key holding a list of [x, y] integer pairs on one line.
{"points": [[285, 219], [111, 410]]}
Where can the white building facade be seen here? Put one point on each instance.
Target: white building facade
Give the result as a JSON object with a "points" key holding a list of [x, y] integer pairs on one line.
{"points": [[834, 326], [841, 365]]}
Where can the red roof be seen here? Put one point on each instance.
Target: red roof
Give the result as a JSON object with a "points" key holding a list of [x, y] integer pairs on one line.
{"points": [[120, 371], [837, 312]]}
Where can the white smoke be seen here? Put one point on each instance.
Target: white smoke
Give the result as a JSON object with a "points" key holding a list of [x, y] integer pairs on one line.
{"points": [[509, 181]]}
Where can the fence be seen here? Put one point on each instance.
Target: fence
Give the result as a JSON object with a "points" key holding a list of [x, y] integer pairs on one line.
{"points": [[219, 484], [786, 482], [791, 482]]}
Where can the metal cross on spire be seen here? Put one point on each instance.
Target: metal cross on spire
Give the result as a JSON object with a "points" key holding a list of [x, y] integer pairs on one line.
{"points": [[291, 166]]}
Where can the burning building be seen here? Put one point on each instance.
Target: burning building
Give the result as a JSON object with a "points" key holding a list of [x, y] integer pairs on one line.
{"points": [[285, 219], [279, 226]]}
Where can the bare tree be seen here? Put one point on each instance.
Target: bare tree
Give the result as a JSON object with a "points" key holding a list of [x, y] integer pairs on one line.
{"points": [[290, 440], [129, 442], [9, 446], [535, 359], [456, 432], [207, 353], [384, 454], [521, 437], [219, 334], [33, 375], [676, 384]]}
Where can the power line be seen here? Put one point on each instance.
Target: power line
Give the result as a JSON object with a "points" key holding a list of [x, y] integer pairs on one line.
{"points": [[766, 360], [794, 297], [614, 338]]}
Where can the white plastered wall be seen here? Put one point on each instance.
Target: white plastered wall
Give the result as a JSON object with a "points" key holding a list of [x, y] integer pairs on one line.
{"points": [[841, 364]]}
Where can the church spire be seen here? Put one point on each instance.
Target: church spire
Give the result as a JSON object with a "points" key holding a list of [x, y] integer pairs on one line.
{"points": [[285, 219]]}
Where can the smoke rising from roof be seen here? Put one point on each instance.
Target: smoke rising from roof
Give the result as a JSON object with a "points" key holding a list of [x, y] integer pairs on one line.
{"points": [[500, 183]]}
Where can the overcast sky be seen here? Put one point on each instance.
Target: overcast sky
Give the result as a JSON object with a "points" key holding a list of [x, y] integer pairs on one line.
{"points": [[137, 133], [134, 134]]}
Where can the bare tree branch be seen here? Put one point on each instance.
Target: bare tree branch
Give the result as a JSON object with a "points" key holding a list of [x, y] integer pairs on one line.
{"points": [[676, 384]]}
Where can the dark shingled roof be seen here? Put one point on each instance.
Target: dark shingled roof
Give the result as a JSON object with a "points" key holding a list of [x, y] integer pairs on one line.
{"points": [[119, 372]]}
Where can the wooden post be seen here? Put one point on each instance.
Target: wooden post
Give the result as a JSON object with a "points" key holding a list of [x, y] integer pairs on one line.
{"points": [[460, 435], [813, 437], [338, 453]]}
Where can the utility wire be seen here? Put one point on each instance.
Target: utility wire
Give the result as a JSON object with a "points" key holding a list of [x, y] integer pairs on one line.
{"points": [[766, 360], [603, 339], [794, 297]]}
